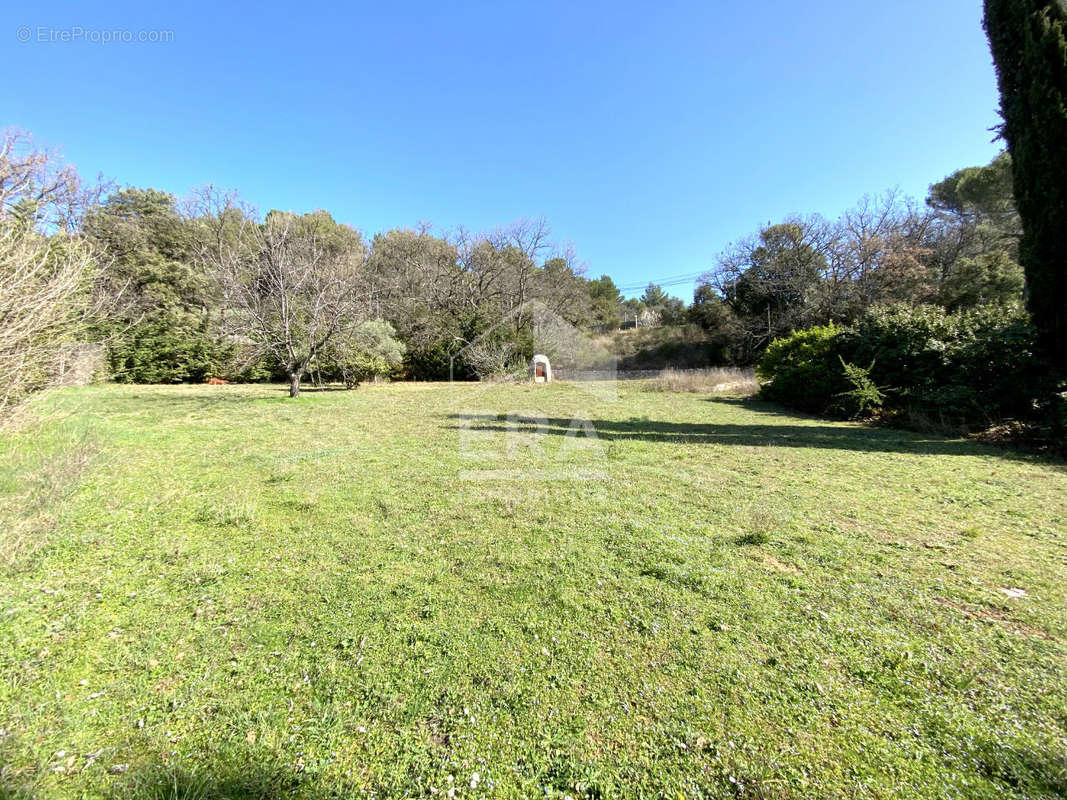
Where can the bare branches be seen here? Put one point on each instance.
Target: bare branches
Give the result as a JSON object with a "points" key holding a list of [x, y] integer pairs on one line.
{"points": [[529, 236], [494, 360], [288, 284], [44, 302], [37, 187], [810, 269], [45, 275]]}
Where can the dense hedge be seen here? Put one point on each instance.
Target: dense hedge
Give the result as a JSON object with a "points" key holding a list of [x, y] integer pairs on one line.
{"points": [[168, 346], [970, 368]]}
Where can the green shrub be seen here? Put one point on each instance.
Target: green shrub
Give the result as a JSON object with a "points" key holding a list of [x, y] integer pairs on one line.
{"points": [[864, 395], [970, 368], [168, 346], [803, 370], [967, 369], [368, 351]]}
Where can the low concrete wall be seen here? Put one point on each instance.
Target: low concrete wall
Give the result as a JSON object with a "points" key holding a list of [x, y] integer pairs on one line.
{"points": [[80, 363]]}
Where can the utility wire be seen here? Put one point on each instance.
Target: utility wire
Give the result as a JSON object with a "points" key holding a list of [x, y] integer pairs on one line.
{"points": [[676, 280]]}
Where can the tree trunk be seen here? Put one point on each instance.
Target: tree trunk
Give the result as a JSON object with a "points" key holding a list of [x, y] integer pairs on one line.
{"points": [[294, 384]]}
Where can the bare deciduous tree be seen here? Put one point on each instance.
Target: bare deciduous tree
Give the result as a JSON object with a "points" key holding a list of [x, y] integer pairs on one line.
{"points": [[516, 248], [288, 285], [44, 299], [45, 270], [38, 187], [494, 360]]}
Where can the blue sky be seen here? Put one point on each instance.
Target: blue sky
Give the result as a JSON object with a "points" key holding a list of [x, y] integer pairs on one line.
{"points": [[649, 134]]}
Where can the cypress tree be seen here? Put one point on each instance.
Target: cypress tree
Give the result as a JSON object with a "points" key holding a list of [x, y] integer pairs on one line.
{"points": [[1028, 39]]}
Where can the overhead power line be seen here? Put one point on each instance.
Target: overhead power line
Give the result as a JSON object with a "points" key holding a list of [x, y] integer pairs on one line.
{"points": [[676, 280]]}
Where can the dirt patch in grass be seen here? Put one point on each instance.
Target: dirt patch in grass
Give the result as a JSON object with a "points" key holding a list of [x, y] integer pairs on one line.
{"points": [[998, 618], [771, 562]]}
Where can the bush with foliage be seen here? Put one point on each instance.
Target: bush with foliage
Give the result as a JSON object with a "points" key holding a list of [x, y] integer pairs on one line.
{"points": [[804, 370], [727, 342], [371, 350], [167, 346], [967, 369], [864, 395], [973, 367], [162, 331]]}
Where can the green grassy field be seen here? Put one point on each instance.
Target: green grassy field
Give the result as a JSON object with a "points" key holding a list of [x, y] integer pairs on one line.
{"points": [[393, 592]]}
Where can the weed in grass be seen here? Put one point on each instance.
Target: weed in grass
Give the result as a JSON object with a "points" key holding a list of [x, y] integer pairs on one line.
{"points": [[279, 478], [761, 525], [753, 537], [228, 513], [299, 505]]}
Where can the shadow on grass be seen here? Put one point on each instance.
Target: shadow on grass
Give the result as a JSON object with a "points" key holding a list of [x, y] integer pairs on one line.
{"points": [[179, 782], [1039, 773], [312, 388], [1016, 771], [245, 783], [826, 436], [754, 403]]}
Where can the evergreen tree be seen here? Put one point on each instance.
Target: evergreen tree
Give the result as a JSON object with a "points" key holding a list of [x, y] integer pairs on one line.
{"points": [[161, 333], [1028, 39]]}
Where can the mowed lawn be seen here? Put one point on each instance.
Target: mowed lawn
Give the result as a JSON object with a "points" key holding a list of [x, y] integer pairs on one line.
{"points": [[393, 592]]}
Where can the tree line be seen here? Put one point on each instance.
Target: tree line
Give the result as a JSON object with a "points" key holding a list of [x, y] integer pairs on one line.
{"points": [[958, 250], [185, 290], [205, 287], [993, 234]]}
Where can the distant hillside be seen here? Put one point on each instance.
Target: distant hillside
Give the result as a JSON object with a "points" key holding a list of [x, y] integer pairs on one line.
{"points": [[678, 346]]}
